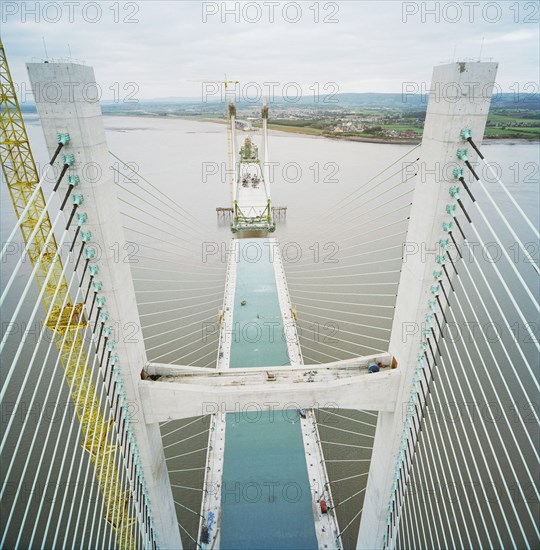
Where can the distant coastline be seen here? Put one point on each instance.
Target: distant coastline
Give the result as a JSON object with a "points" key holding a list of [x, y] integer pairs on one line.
{"points": [[314, 133], [311, 132], [367, 118], [307, 131]]}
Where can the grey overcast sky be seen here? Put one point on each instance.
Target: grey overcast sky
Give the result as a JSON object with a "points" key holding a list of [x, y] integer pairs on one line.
{"points": [[165, 47]]}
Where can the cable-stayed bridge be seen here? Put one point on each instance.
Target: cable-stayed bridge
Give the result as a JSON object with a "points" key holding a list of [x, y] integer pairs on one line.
{"points": [[245, 438]]}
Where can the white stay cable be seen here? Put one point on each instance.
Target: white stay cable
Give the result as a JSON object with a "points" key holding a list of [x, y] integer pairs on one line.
{"points": [[37, 305], [22, 215], [42, 371], [29, 454], [504, 445], [473, 455], [506, 255], [503, 378], [505, 351], [509, 227], [29, 243], [66, 447], [514, 202]]}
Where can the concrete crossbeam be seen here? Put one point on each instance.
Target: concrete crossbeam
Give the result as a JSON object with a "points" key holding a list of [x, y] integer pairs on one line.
{"points": [[182, 392]]}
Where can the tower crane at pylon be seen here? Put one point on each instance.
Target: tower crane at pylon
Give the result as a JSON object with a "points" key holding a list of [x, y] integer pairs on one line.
{"points": [[66, 319], [230, 113]]}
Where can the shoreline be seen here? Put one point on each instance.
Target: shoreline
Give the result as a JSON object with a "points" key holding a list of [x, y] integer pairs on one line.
{"points": [[313, 133], [361, 139]]}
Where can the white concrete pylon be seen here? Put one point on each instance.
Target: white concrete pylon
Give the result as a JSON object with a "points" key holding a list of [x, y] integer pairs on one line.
{"points": [[460, 96], [75, 109]]}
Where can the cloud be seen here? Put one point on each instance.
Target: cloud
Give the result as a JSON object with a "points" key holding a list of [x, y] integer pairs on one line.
{"points": [[164, 46], [519, 35]]}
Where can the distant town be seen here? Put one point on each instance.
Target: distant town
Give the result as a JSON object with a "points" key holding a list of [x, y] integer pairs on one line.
{"points": [[373, 117]]}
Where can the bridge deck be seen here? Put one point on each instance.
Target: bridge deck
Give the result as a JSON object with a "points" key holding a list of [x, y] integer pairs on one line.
{"points": [[252, 199], [261, 495]]}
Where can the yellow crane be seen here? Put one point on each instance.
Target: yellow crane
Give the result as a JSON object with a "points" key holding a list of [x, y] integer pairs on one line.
{"points": [[66, 322], [231, 109]]}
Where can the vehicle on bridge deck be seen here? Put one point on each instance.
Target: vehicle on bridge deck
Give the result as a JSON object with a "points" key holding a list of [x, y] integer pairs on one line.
{"points": [[324, 508]]}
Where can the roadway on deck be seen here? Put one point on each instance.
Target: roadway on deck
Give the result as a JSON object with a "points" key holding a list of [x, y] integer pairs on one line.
{"points": [[251, 200], [266, 497], [257, 338]]}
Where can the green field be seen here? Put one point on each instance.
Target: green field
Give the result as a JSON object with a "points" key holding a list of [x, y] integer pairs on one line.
{"points": [[505, 120], [503, 132], [296, 129]]}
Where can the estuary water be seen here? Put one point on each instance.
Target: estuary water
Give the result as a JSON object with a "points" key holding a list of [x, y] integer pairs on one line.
{"points": [[335, 198]]}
